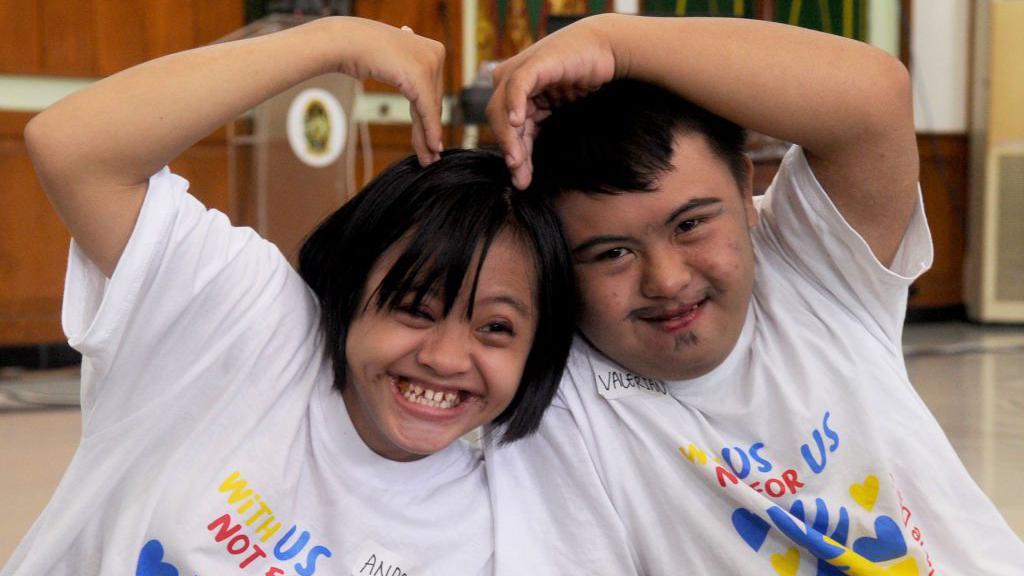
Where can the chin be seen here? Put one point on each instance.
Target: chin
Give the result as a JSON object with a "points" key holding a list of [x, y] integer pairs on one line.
{"points": [[420, 447], [674, 368]]}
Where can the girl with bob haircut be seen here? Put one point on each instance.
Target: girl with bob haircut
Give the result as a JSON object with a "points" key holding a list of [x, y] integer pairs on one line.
{"points": [[446, 218], [239, 417]]}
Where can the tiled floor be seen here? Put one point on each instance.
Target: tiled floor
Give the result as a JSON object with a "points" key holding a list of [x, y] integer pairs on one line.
{"points": [[36, 444], [971, 377]]}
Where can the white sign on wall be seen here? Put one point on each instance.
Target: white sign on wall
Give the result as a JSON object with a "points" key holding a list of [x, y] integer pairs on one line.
{"points": [[317, 127]]}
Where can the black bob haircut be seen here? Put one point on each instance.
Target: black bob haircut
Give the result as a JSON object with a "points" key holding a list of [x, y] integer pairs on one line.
{"points": [[444, 215], [620, 139]]}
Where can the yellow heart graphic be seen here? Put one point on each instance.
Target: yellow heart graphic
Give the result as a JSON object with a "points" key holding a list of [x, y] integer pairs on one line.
{"points": [[786, 565], [906, 567], [865, 494]]}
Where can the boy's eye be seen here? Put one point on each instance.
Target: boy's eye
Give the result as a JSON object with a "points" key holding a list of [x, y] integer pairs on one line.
{"points": [[688, 225]]}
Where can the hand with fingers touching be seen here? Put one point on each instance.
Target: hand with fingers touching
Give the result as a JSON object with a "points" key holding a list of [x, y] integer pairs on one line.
{"points": [[413, 64], [559, 68]]}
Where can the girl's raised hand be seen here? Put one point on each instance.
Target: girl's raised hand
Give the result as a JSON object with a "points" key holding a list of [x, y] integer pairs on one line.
{"points": [[413, 64]]}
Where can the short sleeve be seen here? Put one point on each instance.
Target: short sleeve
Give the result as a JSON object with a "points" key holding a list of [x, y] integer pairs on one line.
{"points": [[192, 302], [802, 231]]}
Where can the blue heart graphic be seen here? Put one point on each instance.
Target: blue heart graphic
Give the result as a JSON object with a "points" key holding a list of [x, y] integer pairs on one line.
{"points": [[888, 543], [151, 561], [751, 527]]}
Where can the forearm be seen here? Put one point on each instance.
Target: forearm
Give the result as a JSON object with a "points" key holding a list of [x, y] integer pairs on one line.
{"points": [[94, 150], [819, 90]]}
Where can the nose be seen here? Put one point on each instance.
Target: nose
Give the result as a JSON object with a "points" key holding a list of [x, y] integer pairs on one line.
{"points": [[445, 349], [665, 274]]}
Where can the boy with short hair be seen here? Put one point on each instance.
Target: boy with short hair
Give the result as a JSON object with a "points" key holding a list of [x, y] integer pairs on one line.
{"points": [[737, 401]]}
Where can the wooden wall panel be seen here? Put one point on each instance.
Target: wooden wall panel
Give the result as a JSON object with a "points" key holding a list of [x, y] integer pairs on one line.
{"points": [[944, 188], [99, 37], [20, 45], [390, 143], [68, 38], [205, 166], [169, 26], [424, 18], [33, 247], [122, 36], [213, 20]]}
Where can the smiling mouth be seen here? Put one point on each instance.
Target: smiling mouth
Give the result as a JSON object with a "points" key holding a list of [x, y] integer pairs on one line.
{"points": [[675, 315], [439, 399]]}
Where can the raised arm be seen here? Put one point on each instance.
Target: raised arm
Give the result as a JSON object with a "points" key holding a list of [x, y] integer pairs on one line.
{"points": [[95, 150], [846, 103]]}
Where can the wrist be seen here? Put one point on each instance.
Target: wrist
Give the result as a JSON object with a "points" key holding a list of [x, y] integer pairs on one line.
{"points": [[611, 29], [334, 42]]}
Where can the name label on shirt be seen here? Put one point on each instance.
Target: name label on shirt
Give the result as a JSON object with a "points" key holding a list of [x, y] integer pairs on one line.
{"points": [[376, 560], [613, 384]]}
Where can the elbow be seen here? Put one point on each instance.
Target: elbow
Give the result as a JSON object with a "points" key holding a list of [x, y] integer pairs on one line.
{"points": [[898, 82], [44, 141], [40, 136], [893, 92], [35, 136]]}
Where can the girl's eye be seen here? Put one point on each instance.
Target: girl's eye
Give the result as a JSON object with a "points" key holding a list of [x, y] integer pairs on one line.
{"points": [[499, 327], [613, 254], [417, 312]]}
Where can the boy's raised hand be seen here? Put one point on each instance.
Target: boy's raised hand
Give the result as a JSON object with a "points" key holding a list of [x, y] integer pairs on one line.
{"points": [[414, 64], [561, 67]]}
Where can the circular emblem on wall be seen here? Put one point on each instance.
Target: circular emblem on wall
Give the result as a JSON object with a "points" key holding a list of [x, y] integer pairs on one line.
{"points": [[317, 127]]}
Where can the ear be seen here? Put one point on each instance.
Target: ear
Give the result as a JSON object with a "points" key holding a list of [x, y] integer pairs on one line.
{"points": [[748, 193]]}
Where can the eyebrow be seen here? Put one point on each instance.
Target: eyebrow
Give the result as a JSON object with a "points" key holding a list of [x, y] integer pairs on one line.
{"points": [[690, 205], [509, 300]]}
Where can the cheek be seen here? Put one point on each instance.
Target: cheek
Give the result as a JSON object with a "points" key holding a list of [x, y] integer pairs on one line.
{"points": [[378, 338], [731, 260], [503, 373], [601, 295]]}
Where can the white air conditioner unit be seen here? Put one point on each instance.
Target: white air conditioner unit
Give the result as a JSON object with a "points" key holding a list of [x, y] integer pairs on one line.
{"points": [[994, 271]]}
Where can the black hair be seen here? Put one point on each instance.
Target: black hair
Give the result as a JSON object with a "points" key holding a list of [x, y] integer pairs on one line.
{"points": [[620, 139], [446, 216]]}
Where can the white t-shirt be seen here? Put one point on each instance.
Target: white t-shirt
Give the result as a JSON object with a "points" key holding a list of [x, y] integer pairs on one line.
{"points": [[213, 443], [806, 450]]}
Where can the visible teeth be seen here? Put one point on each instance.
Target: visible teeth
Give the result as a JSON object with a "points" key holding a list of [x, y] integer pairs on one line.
{"points": [[687, 310], [427, 397]]}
